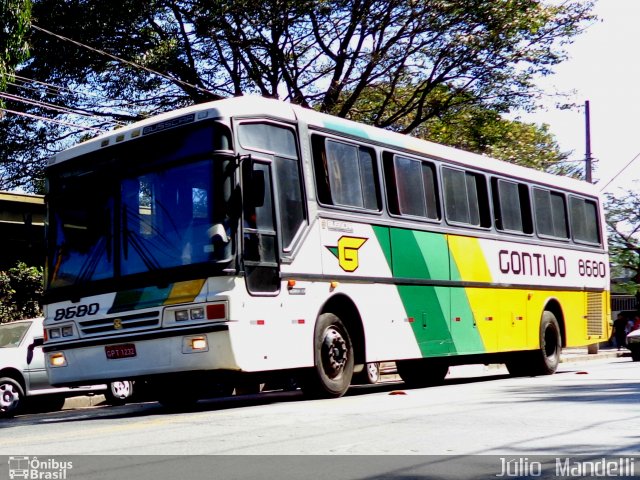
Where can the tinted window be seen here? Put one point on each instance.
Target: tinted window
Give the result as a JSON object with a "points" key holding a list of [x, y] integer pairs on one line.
{"points": [[280, 142], [512, 206], [262, 136], [551, 213], [412, 184], [584, 220], [345, 174], [465, 195]]}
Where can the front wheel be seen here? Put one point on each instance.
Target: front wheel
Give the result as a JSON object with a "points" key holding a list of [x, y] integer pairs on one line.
{"points": [[11, 397], [333, 353]]}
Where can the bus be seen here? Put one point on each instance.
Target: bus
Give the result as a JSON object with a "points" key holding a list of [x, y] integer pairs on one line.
{"points": [[249, 239]]}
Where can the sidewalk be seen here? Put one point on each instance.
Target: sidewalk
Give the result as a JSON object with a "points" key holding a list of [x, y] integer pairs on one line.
{"points": [[581, 354]]}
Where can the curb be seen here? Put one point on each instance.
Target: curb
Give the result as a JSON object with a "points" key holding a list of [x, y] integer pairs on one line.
{"points": [[83, 401]]}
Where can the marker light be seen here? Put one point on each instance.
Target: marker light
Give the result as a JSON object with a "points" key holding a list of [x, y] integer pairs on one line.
{"points": [[199, 343]]}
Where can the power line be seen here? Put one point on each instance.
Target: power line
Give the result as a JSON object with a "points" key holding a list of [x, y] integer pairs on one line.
{"points": [[122, 60], [58, 89], [51, 106], [620, 171], [52, 120]]}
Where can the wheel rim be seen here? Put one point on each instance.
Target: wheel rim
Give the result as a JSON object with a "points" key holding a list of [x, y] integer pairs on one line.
{"points": [[373, 372], [334, 353], [9, 397], [120, 390]]}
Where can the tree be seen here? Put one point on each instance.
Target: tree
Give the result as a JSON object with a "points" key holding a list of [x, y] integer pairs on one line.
{"points": [[623, 224], [20, 292], [15, 15], [325, 54]]}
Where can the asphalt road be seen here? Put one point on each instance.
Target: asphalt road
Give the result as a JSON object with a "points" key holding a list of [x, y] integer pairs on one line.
{"points": [[465, 428]]}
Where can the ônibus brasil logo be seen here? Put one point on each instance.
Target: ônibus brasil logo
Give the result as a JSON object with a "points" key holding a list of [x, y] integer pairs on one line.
{"points": [[38, 469], [347, 252]]}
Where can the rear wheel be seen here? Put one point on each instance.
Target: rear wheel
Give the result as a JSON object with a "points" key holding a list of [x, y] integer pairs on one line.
{"points": [[422, 372], [333, 353], [11, 397], [546, 359], [635, 352]]}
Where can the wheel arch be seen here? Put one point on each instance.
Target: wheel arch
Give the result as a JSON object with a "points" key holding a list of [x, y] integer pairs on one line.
{"points": [[345, 308], [553, 306], [14, 374]]}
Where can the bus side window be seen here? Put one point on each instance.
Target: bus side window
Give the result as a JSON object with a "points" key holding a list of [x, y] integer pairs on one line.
{"points": [[584, 220], [551, 213], [412, 187], [346, 174], [466, 197], [512, 206]]}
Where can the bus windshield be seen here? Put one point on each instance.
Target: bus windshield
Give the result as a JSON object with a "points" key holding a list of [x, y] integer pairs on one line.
{"points": [[147, 207]]}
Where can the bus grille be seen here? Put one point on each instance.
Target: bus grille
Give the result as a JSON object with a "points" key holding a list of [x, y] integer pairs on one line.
{"points": [[594, 313], [120, 324]]}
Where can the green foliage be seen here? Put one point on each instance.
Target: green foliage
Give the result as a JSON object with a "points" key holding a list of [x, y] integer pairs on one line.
{"points": [[467, 124], [15, 15], [623, 224], [21, 288], [392, 63]]}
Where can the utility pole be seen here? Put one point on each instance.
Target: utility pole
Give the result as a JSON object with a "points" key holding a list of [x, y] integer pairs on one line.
{"points": [[593, 348], [588, 157]]}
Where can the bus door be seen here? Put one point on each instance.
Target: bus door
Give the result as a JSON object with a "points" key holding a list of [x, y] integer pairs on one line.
{"points": [[274, 213], [259, 239]]}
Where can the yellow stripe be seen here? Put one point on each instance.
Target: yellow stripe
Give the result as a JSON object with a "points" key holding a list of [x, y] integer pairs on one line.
{"points": [[182, 292]]}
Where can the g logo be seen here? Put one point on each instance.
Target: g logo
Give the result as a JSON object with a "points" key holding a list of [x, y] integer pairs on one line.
{"points": [[347, 252]]}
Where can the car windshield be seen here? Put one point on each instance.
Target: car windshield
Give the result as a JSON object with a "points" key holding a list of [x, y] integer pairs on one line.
{"points": [[145, 207], [11, 334]]}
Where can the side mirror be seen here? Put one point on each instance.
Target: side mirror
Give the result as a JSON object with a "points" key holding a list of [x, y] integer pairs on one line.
{"points": [[37, 342]]}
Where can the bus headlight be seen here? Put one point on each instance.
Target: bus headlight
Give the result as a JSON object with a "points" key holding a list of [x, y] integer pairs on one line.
{"points": [[57, 360], [195, 344]]}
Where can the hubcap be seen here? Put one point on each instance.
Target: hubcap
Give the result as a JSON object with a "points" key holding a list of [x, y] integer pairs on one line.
{"points": [[9, 397], [334, 353], [120, 389]]}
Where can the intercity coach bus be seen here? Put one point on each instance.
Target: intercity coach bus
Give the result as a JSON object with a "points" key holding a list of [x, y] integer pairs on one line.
{"points": [[251, 238]]}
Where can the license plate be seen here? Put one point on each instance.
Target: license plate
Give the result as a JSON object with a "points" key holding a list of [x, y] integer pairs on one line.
{"points": [[120, 351]]}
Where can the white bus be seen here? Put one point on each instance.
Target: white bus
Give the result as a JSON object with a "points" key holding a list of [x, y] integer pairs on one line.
{"points": [[250, 238]]}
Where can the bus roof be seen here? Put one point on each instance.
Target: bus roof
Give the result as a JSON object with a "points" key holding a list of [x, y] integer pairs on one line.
{"points": [[249, 105]]}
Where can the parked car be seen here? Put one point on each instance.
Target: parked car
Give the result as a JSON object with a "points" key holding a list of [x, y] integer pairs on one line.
{"points": [[633, 344], [23, 376]]}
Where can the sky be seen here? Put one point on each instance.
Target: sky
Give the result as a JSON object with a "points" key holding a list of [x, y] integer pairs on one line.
{"points": [[603, 68]]}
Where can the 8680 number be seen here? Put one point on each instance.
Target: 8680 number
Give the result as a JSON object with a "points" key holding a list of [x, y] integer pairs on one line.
{"points": [[77, 311]]}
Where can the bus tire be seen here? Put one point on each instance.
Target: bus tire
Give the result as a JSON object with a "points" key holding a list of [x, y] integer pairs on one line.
{"points": [[11, 397], [547, 358], [333, 359], [421, 372]]}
